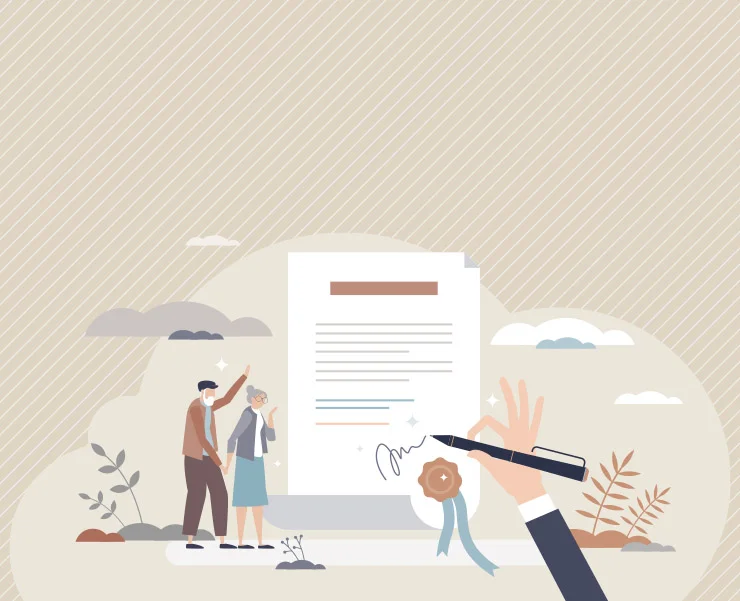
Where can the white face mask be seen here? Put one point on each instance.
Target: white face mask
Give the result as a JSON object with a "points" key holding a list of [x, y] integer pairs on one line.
{"points": [[209, 400]]}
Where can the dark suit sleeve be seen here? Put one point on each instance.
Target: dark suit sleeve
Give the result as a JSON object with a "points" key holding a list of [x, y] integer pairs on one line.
{"points": [[564, 558]]}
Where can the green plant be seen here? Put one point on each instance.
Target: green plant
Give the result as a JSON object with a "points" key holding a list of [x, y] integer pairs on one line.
{"points": [[115, 466], [606, 491], [110, 511], [653, 504]]}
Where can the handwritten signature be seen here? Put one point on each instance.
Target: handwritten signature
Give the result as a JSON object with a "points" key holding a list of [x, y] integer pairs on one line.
{"points": [[394, 456]]}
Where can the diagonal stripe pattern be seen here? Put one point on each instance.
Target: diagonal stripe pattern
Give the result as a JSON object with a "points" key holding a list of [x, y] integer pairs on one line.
{"points": [[584, 153]]}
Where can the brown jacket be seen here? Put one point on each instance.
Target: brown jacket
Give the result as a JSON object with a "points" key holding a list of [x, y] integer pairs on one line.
{"points": [[195, 441]]}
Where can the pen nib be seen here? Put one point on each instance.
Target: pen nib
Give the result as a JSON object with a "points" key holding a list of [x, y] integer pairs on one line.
{"points": [[443, 438]]}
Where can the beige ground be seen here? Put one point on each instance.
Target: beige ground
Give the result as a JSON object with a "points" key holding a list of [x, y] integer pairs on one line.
{"points": [[580, 388]]}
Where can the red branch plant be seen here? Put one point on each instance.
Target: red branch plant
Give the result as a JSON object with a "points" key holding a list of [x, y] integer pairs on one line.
{"points": [[612, 480]]}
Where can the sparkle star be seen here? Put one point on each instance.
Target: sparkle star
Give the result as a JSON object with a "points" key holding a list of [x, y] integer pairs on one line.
{"points": [[492, 400], [443, 477], [277, 464], [412, 421], [359, 448], [222, 364]]}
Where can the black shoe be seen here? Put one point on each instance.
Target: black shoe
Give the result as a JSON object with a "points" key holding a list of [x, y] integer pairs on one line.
{"points": [[193, 546], [265, 547], [226, 546], [246, 547]]}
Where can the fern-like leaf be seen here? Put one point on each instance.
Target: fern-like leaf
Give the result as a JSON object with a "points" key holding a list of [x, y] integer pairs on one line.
{"points": [[623, 484], [609, 521], [590, 498]]}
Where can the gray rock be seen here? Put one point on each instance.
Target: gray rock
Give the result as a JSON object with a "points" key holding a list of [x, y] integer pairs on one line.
{"points": [[141, 532], [651, 548], [150, 532], [174, 532], [301, 564]]}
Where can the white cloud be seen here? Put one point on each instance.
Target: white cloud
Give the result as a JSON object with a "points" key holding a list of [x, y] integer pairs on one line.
{"points": [[212, 241], [648, 397], [524, 334]]}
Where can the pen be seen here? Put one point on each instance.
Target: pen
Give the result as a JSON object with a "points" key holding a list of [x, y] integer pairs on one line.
{"points": [[552, 466]]}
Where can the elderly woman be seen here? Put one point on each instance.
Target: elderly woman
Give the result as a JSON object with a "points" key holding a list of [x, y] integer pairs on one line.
{"points": [[249, 441]]}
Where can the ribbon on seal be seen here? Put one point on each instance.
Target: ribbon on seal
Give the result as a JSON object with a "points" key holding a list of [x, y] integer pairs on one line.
{"points": [[440, 480]]}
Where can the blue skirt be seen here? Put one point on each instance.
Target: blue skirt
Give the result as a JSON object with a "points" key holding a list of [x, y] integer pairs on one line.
{"points": [[250, 488]]}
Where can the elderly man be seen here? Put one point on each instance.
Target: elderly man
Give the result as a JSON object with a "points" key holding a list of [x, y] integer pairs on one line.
{"points": [[203, 468]]}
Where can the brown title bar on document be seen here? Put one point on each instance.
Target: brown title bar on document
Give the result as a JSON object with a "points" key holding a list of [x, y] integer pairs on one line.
{"points": [[383, 288]]}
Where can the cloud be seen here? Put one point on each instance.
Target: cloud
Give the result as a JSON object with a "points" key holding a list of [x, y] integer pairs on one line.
{"points": [[565, 343], [171, 317], [650, 548], [200, 335], [648, 397], [211, 241], [524, 334]]}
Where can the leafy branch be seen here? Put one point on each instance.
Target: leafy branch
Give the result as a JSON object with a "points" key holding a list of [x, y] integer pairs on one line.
{"points": [[115, 466], [110, 511], [645, 509], [286, 542], [290, 549], [613, 480], [300, 546]]}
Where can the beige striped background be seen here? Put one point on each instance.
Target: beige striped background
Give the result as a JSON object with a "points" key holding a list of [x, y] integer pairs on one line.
{"points": [[584, 153]]}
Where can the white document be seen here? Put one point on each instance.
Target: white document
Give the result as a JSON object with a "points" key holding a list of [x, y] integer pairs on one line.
{"points": [[383, 349]]}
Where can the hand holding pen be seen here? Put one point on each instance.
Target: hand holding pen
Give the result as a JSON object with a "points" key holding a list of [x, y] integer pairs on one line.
{"points": [[520, 482], [545, 523]]}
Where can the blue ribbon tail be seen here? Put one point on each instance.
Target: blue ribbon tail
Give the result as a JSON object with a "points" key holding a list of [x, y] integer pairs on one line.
{"points": [[467, 541], [447, 528]]}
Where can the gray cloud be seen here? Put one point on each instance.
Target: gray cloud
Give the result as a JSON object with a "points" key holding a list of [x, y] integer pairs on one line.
{"points": [[200, 335], [171, 317], [565, 343], [650, 548]]}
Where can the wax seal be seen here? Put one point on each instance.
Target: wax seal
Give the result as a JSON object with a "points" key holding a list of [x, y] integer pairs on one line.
{"points": [[440, 479]]}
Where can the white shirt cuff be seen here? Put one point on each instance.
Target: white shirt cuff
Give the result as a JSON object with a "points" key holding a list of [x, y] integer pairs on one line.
{"points": [[535, 508]]}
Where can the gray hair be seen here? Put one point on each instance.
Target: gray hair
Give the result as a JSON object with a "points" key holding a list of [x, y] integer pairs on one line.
{"points": [[253, 392]]}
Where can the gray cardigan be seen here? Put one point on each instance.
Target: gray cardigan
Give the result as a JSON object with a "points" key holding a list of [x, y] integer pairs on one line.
{"points": [[242, 438]]}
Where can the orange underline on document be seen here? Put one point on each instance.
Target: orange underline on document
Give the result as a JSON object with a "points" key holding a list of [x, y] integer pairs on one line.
{"points": [[352, 423]]}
